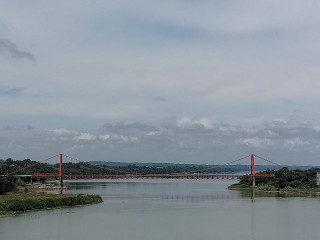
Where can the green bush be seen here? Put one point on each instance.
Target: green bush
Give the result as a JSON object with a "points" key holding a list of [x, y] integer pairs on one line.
{"points": [[7, 184], [21, 205], [295, 184], [266, 187], [286, 178]]}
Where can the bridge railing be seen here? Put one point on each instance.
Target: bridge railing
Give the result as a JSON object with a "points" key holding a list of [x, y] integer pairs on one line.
{"points": [[152, 176], [45, 175]]}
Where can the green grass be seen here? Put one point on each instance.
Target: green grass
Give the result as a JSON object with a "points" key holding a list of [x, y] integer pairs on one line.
{"points": [[21, 201], [271, 188], [238, 186]]}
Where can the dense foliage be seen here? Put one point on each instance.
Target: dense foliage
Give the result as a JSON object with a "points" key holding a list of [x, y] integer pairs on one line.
{"points": [[7, 184], [284, 177], [10, 165], [21, 202], [30, 167]]}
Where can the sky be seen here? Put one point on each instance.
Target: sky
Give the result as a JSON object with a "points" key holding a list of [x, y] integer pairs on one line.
{"points": [[179, 81]]}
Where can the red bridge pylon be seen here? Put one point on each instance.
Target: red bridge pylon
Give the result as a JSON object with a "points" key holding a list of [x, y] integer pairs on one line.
{"points": [[60, 171]]}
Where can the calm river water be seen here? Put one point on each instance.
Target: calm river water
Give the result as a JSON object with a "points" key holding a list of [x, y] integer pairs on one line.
{"points": [[170, 209]]}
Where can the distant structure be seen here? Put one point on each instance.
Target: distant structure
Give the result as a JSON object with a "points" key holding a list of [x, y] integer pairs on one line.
{"points": [[318, 178]]}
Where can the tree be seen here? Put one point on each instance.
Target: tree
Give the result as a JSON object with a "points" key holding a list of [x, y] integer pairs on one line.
{"points": [[7, 184]]}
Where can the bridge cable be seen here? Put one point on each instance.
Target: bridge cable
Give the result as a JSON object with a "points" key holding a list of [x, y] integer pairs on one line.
{"points": [[220, 165], [76, 159], [21, 169], [269, 161]]}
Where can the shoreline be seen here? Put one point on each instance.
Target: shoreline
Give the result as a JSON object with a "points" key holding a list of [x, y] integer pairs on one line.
{"points": [[14, 214], [34, 199], [271, 189]]}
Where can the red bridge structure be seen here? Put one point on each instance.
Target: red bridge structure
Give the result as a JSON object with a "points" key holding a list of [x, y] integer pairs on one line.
{"points": [[197, 174]]}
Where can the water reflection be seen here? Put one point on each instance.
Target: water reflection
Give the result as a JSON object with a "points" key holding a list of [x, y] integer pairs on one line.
{"points": [[253, 227], [190, 191], [253, 196], [180, 210], [173, 191]]}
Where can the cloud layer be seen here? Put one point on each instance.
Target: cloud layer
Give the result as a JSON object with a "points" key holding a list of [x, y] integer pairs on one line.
{"points": [[185, 81], [178, 140]]}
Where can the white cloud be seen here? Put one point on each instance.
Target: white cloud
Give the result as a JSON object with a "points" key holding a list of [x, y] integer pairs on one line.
{"points": [[152, 133], [255, 142], [119, 138], [186, 122], [124, 139], [61, 132], [295, 143], [85, 137], [105, 137], [279, 121]]}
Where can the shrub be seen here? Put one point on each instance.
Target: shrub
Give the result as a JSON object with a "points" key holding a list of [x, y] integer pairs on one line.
{"points": [[7, 184], [22, 205]]}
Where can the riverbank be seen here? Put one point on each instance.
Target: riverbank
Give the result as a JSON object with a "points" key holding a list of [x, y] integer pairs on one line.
{"points": [[272, 189], [32, 198]]}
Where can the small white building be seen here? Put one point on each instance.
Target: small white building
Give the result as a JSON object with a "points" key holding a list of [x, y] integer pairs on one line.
{"points": [[318, 178]]}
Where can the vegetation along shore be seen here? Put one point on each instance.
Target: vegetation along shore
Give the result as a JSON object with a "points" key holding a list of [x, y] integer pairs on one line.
{"points": [[20, 199], [285, 181]]}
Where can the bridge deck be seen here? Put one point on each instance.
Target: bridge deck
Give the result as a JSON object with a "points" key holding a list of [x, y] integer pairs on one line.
{"points": [[150, 176]]}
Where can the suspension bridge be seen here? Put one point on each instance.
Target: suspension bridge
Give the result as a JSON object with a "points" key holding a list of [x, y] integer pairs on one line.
{"points": [[196, 174]]}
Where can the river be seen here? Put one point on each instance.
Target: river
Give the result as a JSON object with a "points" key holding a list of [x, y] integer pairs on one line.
{"points": [[170, 209]]}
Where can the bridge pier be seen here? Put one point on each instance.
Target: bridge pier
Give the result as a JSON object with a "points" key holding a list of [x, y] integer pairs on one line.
{"points": [[253, 173], [253, 181]]}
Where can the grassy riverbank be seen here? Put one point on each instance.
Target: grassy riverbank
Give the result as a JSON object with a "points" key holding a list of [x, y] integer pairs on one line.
{"points": [[26, 199], [270, 188], [284, 180]]}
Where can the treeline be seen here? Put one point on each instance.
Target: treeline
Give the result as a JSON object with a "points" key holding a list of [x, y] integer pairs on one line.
{"points": [[284, 178], [28, 166]]}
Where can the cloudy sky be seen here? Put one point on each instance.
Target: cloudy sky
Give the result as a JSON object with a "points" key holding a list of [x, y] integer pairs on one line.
{"points": [[166, 81]]}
